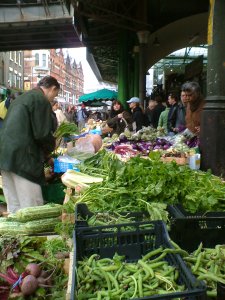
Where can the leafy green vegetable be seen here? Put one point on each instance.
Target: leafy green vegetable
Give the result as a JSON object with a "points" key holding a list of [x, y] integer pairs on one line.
{"points": [[131, 185]]}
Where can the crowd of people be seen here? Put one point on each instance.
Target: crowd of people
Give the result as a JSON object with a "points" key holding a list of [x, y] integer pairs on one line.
{"points": [[171, 115], [30, 120]]}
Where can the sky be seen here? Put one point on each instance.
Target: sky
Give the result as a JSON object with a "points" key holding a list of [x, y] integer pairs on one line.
{"points": [[90, 81]]}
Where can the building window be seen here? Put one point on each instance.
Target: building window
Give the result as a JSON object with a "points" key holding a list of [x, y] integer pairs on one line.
{"points": [[18, 81], [10, 79], [16, 57], [36, 59], [11, 55], [44, 63], [20, 58], [14, 80]]}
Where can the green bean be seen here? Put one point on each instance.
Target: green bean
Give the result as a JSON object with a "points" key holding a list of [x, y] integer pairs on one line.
{"points": [[176, 246], [210, 276], [130, 268], [123, 273], [197, 264], [164, 279], [168, 271], [99, 296], [140, 290], [176, 275], [80, 274], [135, 286], [149, 293], [148, 270], [159, 258], [118, 272], [196, 253], [212, 293], [105, 260], [101, 272], [176, 251], [114, 281], [109, 268], [83, 296], [153, 285], [156, 264], [152, 253]]}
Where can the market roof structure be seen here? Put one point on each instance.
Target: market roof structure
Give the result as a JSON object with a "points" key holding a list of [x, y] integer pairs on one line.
{"points": [[173, 24], [97, 24]]}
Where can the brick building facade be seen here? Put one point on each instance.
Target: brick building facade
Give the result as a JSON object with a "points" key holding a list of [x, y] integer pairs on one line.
{"points": [[39, 63]]}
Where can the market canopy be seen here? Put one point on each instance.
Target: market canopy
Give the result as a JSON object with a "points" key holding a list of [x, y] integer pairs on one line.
{"points": [[103, 94]]}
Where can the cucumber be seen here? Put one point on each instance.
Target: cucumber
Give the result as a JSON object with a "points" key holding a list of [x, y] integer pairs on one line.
{"points": [[39, 212]]}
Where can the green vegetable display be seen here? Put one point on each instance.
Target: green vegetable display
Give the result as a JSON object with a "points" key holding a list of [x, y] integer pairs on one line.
{"points": [[207, 264], [117, 279], [129, 186]]}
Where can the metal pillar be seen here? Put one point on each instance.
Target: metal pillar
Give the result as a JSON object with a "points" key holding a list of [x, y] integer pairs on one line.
{"points": [[143, 40], [212, 138], [123, 69], [136, 71]]}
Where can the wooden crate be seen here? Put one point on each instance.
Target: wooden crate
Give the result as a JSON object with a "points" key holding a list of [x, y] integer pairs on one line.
{"points": [[70, 278], [178, 160]]}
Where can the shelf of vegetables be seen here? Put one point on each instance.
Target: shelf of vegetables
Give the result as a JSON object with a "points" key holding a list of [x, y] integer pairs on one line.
{"points": [[142, 185], [109, 186]]}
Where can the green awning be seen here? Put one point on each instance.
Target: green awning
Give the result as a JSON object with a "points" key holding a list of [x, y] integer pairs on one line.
{"points": [[99, 95]]}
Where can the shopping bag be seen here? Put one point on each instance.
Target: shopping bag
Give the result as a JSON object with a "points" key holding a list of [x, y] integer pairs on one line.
{"points": [[3, 110]]}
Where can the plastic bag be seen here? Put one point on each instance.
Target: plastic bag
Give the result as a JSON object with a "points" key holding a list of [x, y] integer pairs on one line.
{"points": [[90, 143], [84, 144]]}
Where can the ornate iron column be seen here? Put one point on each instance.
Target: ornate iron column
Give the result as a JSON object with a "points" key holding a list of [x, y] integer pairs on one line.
{"points": [[136, 71], [143, 40], [123, 69], [212, 137]]}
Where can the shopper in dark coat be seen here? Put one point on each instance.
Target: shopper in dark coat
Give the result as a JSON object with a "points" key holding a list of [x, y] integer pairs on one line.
{"points": [[119, 118], [159, 107], [138, 115], [26, 140], [172, 116]]}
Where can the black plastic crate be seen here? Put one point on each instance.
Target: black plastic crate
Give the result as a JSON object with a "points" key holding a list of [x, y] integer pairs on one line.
{"points": [[178, 211], [83, 214], [189, 230], [134, 245]]}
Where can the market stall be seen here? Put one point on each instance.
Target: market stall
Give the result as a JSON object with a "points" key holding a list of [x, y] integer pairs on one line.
{"points": [[142, 206]]}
